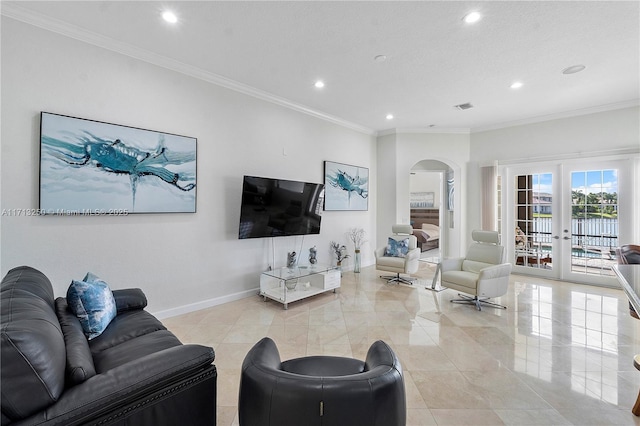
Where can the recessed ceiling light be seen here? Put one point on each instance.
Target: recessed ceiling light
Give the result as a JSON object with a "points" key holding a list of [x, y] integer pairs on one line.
{"points": [[472, 17], [573, 69], [389, 116], [319, 84], [169, 16], [516, 85]]}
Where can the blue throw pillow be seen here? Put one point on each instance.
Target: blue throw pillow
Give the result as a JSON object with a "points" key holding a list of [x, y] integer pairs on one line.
{"points": [[397, 248], [92, 302]]}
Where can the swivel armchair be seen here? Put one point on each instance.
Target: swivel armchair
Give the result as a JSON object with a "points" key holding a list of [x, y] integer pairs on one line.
{"points": [[400, 255], [321, 390], [481, 273]]}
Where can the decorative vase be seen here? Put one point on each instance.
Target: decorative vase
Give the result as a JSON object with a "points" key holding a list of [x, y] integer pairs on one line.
{"points": [[356, 262], [313, 252], [291, 259], [339, 266]]}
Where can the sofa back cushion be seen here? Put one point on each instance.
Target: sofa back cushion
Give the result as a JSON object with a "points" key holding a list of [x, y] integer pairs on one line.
{"points": [[32, 345], [485, 253]]}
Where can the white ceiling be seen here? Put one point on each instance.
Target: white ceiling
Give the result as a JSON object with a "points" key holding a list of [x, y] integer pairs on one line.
{"points": [[277, 50]]}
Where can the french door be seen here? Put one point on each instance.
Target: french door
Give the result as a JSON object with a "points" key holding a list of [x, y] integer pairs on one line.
{"points": [[562, 221]]}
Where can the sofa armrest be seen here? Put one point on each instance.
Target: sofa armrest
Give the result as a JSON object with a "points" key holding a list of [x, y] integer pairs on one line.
{"points": [[496, 271], [115, 388], [414, 254], [493, 281], [129, 299]]}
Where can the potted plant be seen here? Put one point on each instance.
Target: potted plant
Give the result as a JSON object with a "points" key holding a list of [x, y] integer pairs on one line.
{"points": [[341, 253]]}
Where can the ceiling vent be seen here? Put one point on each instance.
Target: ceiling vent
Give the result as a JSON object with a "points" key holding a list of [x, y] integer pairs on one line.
{"points": [[462, 107]]}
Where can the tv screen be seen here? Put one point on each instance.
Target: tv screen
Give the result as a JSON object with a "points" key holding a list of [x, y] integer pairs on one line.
{"points": [[278, 207]]}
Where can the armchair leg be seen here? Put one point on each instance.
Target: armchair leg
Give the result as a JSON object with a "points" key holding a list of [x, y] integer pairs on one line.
{"points": [[398, 279], [475, 300]]}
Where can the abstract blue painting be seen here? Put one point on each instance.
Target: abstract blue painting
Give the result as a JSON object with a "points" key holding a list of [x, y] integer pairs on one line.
{"points": [[346, 187], [91, 167]]}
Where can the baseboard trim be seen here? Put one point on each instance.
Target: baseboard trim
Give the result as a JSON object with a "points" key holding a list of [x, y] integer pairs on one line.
{"points": [[192, 307]]}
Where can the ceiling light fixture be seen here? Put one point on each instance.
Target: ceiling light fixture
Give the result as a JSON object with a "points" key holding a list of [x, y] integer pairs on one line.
{"points": [[380, 58], [389, 116], [169, 16], [516, 85], [472, 17], [573, 69], [319, 84]]}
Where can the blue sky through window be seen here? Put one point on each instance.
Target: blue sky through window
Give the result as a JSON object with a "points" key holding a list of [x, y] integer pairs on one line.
{"points": [[595, 181]]}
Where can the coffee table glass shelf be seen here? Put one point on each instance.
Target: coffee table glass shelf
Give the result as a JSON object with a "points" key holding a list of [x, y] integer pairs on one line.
{"points": [[286, 285]]}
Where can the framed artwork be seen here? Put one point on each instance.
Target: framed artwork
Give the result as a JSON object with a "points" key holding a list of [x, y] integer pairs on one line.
{"points": [[346, 187], [422, 200], [91, 168]]}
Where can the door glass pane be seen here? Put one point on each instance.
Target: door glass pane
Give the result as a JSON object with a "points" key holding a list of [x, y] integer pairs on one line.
{"points": [[533, 227], [594, 221]]}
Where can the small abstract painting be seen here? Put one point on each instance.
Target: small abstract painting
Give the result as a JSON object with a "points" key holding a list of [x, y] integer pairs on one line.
{"points": [[92, 168], [422, 200], [346, 187]]}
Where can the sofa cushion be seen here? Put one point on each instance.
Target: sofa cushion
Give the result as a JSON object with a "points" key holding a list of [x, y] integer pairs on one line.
{"points": [[92, 302], [124, 327], [461, 278], [474, 266], [322, 366], [397, 247], [134, 349], [33, 349], [79, 360]]}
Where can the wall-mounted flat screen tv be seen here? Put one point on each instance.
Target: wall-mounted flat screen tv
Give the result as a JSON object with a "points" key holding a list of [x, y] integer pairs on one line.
{"points": [[278, 207]]}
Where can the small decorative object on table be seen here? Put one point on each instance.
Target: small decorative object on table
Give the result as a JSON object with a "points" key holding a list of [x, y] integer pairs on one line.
{"points": [[340, 252], [313, 252], [356, 235], [291, 284], [291, 259]]}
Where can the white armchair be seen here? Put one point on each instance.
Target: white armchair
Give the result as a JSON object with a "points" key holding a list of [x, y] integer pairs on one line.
{"points": [[480, 273], [400, 255]]}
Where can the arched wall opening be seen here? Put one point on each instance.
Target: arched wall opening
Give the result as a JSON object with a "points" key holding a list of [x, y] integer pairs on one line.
{"points": [[398, 155]]}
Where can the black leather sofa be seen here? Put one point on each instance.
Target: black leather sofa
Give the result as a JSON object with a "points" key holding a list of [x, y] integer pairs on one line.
{"points": [[135, 373], [321, 390]]}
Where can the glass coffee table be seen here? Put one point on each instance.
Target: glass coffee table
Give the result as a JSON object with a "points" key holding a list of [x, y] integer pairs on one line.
{"points": [[286, 285]]}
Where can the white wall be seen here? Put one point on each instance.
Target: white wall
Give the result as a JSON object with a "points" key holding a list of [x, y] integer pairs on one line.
{"points": [[386, 214], [182, 261], [587, 136], [424, 181]]}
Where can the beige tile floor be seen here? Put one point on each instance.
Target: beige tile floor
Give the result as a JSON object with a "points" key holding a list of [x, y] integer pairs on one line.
{"points": [[560, 354]]}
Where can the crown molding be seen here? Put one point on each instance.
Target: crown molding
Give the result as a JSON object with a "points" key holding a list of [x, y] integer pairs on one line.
{"points": [[13, 11], [566, 114], [424, 130], [608, 154]]}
